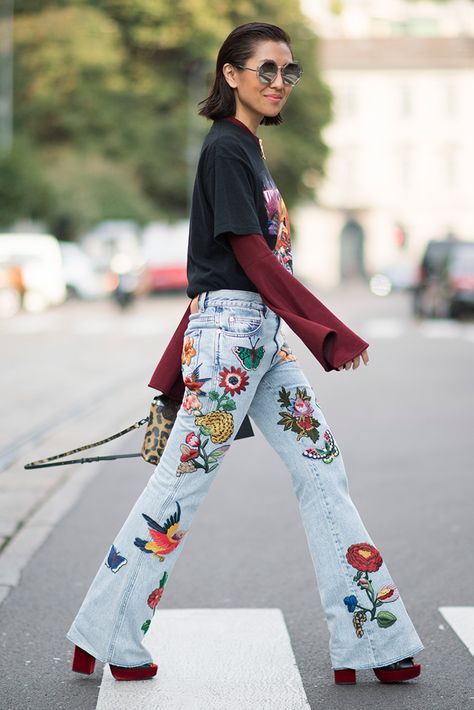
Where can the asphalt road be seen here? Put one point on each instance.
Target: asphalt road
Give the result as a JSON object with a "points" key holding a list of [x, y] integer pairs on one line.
{"points": [[404, 424]]}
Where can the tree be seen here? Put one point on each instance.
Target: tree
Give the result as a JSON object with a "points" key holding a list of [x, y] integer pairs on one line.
{"points": [[116, 83]]}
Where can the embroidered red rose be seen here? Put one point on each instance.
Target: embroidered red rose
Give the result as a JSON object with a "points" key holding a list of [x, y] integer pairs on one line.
{"points": [[364, 557], [305, 423]]}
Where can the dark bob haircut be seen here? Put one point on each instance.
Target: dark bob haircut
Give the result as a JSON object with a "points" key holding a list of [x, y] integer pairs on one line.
{"points": [[237, 49]]}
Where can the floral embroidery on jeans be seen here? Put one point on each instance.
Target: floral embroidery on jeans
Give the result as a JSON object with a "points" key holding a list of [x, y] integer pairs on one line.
{"points": [[297, 416], [188, 351], [153, 601], [285, 353], [164, 538], [366, 558], [327, 454], [194, 455]]}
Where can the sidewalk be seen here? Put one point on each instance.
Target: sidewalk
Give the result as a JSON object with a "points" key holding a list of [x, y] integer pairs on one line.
{"points": [[72, 375]]}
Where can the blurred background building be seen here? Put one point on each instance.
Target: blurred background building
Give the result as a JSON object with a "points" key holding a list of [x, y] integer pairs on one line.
{"points": [[401, 141]]}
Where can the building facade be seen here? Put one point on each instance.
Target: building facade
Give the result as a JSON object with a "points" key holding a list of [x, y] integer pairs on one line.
{"points": [[402, 147]]}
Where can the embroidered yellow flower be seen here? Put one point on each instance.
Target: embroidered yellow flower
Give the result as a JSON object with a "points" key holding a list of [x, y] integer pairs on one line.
{"points": [[188, 351]]}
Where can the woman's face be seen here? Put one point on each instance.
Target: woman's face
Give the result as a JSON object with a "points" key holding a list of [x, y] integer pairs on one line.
{"points": [[254, 100]]}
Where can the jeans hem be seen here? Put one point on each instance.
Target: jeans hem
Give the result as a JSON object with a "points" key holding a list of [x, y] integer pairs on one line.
{"points": [[366, 666]]}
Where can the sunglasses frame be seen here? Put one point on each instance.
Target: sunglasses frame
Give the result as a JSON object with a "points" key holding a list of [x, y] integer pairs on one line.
{"points": [[278, 68]]}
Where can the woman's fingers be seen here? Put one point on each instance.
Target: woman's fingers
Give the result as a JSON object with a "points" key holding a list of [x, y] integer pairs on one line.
{"points": [[355, 362]]}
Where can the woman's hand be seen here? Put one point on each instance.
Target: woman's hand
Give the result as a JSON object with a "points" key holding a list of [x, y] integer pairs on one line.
{"points": [[355, 362]]}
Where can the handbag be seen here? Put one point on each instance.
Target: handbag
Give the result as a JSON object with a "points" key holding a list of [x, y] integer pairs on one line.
{"points": [[160, 421]]}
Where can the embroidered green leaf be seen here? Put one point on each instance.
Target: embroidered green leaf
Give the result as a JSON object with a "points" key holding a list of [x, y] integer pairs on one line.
{"points": [[229, 405], [211, 468], [385, 619], [284, 397], [358, 576], [146, 625], [287, 420], [302, 394], [205, 430], [217, 453], [313, 434], [164, 579], [213, 395]]}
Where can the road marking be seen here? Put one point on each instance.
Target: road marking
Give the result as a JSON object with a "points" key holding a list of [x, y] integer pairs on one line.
{"points": [[441, 328], [210, 659], [461, 620]]}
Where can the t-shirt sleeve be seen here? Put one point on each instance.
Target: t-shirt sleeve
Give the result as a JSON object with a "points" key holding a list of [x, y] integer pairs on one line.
{"points": [[234, 197]]}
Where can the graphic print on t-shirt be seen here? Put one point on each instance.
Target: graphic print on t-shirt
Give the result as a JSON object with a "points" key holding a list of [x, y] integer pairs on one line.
{"points": [[278, 222]]}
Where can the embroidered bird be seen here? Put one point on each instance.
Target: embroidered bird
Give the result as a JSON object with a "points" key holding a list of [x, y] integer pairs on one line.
{"points": [[165, 538]]}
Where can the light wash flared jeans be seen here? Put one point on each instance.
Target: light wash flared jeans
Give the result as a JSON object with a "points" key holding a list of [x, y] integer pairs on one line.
{"points": [[235, 361]]}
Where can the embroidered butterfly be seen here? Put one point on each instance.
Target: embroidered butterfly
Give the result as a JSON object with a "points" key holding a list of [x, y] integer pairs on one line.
{"points": [[327, 454], [115, 560], [249, 357]]}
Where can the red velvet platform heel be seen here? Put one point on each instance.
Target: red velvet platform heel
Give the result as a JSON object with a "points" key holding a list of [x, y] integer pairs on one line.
{"points": [[82, 661], [345, 676], [138, 673], [394, 673], [398, 672]]}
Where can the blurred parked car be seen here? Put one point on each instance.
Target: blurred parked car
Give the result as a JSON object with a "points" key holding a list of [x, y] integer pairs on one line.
{"points": [[37, 268], [83, 279], [165, 248], [445, 286]]}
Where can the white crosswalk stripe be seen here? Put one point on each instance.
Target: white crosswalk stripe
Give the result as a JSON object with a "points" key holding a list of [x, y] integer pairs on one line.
{"points": [[213, 659], [461, 620]]}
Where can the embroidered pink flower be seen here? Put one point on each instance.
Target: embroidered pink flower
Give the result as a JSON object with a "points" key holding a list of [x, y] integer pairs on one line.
{"points": [[389, 593], [192, 439], [301, 407], [191, 402], [363, 582]]}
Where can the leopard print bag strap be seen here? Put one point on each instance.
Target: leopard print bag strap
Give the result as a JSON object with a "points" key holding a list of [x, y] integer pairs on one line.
{"points": [[163, 413]]}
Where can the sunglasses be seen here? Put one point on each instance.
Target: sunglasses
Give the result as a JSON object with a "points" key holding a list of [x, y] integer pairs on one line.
{"points": [[267, 72]]}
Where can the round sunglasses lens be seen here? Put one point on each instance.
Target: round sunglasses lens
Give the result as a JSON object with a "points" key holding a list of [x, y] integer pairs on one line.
{"points": [[268, 72], [292, 74]]}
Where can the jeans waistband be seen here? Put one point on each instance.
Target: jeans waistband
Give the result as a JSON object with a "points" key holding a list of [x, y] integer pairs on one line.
{"points": [[230, 295]]}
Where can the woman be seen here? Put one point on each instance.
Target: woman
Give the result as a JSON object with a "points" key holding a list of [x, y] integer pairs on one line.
{"points": [[234, 362]]}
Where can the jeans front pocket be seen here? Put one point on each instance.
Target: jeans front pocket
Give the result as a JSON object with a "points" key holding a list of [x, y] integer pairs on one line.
{"points": [[241, 321]]}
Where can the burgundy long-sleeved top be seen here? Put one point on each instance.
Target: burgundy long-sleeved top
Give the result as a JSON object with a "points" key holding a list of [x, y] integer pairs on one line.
{"points": [[327, 337]]}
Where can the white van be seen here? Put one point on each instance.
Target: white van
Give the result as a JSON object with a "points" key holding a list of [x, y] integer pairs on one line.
{"points": [[38, 256]]}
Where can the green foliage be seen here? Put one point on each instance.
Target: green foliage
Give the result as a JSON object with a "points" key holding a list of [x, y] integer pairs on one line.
{"points": [[107, 92], [23, 188]]}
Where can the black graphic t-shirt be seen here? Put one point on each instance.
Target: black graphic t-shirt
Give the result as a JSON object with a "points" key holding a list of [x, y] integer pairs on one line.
{"points": [[233, 192]]}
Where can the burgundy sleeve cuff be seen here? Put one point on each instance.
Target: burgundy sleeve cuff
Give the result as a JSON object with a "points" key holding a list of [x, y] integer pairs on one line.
{"points": [[328, 338]]}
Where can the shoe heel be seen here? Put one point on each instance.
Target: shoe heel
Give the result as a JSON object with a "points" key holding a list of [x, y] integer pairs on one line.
{"points": [[138, 673], [82, 661], [397, 675], [345, 676]]}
